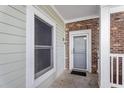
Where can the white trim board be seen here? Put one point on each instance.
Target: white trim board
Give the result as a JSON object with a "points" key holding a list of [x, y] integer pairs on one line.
{"points": [[104, 74], [57, 12], [89, 54], [81, 19], [30, 81]]}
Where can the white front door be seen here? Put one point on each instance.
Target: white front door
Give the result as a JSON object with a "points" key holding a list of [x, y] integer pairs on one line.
{"points": [[80, 50]]}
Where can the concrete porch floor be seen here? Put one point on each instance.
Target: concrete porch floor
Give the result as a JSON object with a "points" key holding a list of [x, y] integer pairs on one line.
{"points": [[67, 80]]}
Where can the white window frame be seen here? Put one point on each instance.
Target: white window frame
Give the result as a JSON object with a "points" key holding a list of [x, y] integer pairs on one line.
{"points": [[86, 32], [30, 75]]}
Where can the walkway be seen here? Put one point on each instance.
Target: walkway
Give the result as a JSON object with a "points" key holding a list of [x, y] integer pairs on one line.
{"points": [[67, 80]]}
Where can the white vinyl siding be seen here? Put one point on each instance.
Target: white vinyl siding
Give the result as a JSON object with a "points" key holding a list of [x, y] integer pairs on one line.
{"points": [[12, 46]]}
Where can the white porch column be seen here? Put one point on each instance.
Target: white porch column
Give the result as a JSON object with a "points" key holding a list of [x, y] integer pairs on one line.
{"points": [[104, 47]]}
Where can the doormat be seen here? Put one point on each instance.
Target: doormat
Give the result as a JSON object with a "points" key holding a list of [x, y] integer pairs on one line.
{"points": [[79, 73]]}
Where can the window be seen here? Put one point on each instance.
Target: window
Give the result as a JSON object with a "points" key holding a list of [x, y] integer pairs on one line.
{"points": [[40, 47], [43, 47]]}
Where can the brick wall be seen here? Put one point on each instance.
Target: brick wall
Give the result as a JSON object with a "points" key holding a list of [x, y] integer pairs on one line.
{"points": [[92, 24], [117, 41], [117, 33]]}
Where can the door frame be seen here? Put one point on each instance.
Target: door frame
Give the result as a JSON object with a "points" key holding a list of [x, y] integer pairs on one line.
{"points": [[86, 32]]}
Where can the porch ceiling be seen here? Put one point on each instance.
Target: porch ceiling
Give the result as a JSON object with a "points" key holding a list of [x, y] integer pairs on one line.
{"points": [[73, 12]]}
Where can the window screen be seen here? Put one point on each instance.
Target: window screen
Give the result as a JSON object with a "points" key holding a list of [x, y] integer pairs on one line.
{"points": [[43, 47], [43, 33]]}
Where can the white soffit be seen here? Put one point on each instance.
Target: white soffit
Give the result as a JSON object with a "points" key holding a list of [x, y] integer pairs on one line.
{"points": [[71, 13]]}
